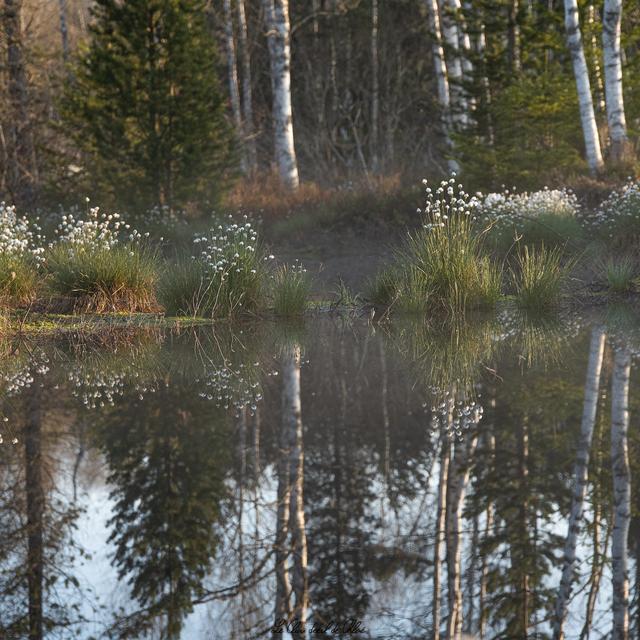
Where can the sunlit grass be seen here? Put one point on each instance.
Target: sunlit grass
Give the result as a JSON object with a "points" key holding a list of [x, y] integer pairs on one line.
{"points": [[620, 274], [291, 288], [538, 277], [442, 268], [19, 280], [120, 278]]}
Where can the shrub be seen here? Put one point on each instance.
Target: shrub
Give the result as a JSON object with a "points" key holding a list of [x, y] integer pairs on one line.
{"points": [[443, 264], [546, 217], [225, 278], [617, 220], [98, 271], [538, 277], [291, 288]]}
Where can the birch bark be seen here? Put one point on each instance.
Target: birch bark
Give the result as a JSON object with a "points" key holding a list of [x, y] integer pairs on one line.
{"points": [[581, 74], [612, 17], [232, 72], [276, 15], [64, 30], [442, 78], [580, 474], [621, 492], [247, 92], [375, 87], [292, 418]]}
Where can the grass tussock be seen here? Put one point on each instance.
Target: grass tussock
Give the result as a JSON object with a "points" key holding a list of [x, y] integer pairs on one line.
{"points": [[121, 278], [538, 277], [191, 288], [291, 287], [19, 280], [620, 274], [441, 269]]}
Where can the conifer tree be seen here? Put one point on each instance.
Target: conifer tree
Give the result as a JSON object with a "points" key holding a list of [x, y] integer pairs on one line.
{"points": [[146, 107]]}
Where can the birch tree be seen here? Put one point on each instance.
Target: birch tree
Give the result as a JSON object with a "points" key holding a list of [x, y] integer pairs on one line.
{"points": [[64, 30], [375, 86], [441, 514], [459, 479], [247, 93], [292, 418], [232, 72], [612, 17], [276, 15], [621, 492], [442, 77], [583, 86], [580, 474], [454, 67]]}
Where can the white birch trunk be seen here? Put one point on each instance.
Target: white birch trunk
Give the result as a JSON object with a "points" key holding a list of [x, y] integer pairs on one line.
{"points": [[232, 72], [64, 30], [292, 418], [621, 492], [247, 93], [442, 77], [454, 68], [612, 17], [276, 14], [441, 515], [580, 475], [457, 490], [375, 90], [282, 607], [595, 59], [581, 73]]}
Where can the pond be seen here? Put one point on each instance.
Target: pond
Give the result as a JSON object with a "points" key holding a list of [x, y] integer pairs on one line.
{"points": [[370, 479]]}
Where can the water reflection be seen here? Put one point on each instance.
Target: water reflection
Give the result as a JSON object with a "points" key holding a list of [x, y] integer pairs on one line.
{"points": [[417, 481]]}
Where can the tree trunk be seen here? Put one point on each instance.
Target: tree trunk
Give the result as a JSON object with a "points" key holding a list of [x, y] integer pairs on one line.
{"points": [[513, 38], [21, 156], [292, 419], [612, 17], [276, 14], [442, 77], [283, 585], [232, 72], [247, 93], [64, 30], [621, 492], [456, 493], [595, 59], [581, 73], [440, 538], [35, 509], [580, 474], [454, 68], [375, 89]]}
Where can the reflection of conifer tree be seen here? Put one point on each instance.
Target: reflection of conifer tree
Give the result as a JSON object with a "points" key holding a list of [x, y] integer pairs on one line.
{"points": [[338, 485], [166, 455], [523, 480]]}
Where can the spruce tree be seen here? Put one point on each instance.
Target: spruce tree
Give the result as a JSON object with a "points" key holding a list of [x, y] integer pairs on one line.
{"points": [[145, 106]]}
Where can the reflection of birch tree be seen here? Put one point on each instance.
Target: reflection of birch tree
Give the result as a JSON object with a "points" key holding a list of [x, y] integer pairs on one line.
{"points": [[291, 541], [580, 474], [621, 491]]}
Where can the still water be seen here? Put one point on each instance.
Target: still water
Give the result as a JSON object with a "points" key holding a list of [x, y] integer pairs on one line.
{"points": [[373, 480]]}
